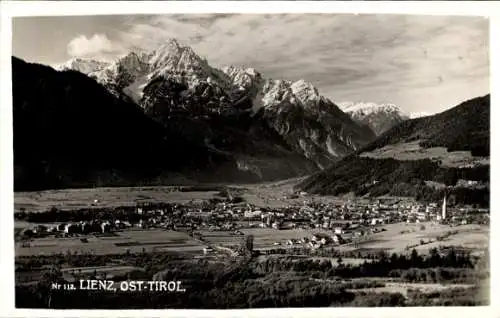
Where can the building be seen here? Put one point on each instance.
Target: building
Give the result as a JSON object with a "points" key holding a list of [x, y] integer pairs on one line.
{"points": [[85, 227], [105, 227], [338, 239], [207, 250], [72, 228], [252, 214], [40, 229]]}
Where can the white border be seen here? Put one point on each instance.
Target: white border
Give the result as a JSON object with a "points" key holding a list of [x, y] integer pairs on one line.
{"points": [[49, 8]]}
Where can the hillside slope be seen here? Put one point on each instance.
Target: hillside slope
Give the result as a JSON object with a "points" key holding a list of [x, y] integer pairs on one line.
{"points": [[441, 149]]}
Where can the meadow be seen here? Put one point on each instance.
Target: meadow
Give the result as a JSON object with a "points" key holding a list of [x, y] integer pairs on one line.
{"points": [[133, 241], [413, 151], [39, 201], [399, 236]]}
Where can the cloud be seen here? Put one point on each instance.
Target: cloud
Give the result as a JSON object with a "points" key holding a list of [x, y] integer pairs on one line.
{"points": [[94, 47], [405, 59]]}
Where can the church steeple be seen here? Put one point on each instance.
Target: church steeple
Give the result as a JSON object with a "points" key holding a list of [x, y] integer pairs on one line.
{"points": [[443, 213]]}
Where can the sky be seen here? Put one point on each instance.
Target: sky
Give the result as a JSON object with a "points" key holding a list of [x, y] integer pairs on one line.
{"points": [[420, 63]]}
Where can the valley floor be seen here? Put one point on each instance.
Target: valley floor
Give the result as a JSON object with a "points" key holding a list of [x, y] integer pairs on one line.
{"points": [[129, 251]]}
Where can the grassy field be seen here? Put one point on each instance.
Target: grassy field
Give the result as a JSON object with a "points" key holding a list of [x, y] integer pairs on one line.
{"points": [[400, 235], [223, 238], [403, 288], [270, 195], [266, 237], [108, 197], [132, 240], [263, 237], [412, 151]]}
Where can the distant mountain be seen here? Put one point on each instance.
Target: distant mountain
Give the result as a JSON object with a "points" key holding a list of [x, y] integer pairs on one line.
{"points": [[379, 117], [82, 65], [419, 114], [173, 82], [424, 158]]}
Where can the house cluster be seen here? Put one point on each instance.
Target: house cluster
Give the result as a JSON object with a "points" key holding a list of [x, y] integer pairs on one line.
{"points": [[317, 240], [73, 228], [340, 218], [447, 215]]}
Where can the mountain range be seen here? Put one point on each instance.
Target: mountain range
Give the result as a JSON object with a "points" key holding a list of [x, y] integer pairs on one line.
{"points": [[174, 79], [167, 116], [148, 117]]}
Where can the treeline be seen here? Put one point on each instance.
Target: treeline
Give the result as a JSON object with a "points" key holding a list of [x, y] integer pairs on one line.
{"points": [[249, 283], [56, 215], [381, 267], [470, 296], [378, 177], [448, 267], [125, 213]]}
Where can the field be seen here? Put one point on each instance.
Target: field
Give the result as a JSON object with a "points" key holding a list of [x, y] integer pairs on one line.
{"points": [[263, 237], [222, 238], [413, 151], [267, 237], [270, 195], [400, 235], [107, 197], [403, 288], [132, 240]]}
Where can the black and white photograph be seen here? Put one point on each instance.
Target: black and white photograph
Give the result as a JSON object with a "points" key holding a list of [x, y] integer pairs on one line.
{"points": [[250, 160]]}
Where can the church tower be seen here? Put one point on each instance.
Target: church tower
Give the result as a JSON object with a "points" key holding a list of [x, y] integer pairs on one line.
{"points": [[443, 213]]}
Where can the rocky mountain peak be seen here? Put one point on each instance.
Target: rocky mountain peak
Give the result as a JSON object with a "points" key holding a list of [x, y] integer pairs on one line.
{"points": [[172, 57], [173, 81], [305, 92], [82, 65], [379, 117], [367, 108]]}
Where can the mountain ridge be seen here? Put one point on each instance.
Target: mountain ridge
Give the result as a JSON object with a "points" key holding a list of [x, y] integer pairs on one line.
{"points": [[385, 166], [379, 117], [235, 90]]}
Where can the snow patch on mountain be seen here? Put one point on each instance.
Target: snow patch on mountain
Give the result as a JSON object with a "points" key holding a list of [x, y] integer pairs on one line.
{"points": [[379, 117], [367, 108], [419, 114], [85, 66], [131, 73]]}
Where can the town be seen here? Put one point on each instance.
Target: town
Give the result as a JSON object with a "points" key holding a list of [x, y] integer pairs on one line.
{"points": [[314, 224]]}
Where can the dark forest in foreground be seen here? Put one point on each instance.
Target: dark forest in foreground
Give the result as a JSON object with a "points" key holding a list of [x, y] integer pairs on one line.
{"points": [[247, 282]]}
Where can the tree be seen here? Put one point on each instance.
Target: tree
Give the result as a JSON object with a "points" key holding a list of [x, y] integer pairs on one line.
{"points": [[340, 261], [434, 257], [249, 244], [415, 259], [451, 258]]}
